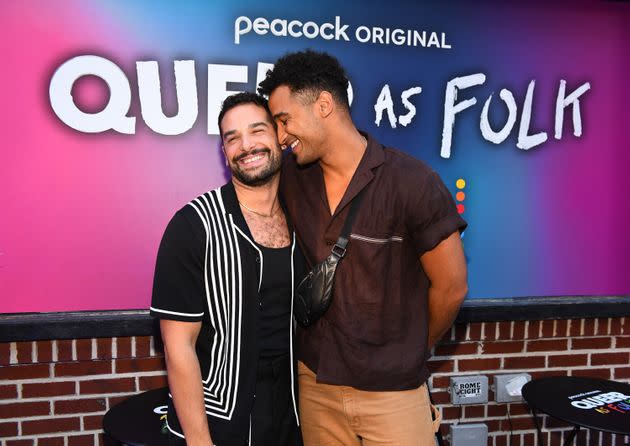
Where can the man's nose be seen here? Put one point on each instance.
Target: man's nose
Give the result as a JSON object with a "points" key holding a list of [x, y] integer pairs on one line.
{"points": [[248, 143], [282, 135]]}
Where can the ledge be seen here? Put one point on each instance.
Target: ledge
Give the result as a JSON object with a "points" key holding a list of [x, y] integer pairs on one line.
{"points": [[105, 324]]}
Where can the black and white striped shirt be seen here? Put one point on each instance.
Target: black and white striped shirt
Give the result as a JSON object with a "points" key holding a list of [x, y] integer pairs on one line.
{"points": [[209, 269]]}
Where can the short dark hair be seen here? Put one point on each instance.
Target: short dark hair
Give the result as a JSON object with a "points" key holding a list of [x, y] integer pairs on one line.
{"points": [[309, 72], [240, 99]]}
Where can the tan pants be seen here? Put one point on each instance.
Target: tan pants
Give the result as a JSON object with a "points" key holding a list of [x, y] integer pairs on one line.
{"points": [[344, 416]]}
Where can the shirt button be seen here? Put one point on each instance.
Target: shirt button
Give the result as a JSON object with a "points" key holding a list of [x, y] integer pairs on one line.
{"points": [[257, 259], [329, 242]]}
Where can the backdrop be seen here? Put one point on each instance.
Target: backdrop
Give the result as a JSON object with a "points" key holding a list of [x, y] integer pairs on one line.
{"points": [[109, 126]]}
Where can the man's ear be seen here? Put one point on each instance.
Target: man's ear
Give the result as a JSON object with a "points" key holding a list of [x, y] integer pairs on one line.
{"points": [[325, 104]]}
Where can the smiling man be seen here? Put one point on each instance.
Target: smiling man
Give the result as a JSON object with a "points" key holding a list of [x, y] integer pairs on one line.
{"points": [[223, 291], [362, 369]]}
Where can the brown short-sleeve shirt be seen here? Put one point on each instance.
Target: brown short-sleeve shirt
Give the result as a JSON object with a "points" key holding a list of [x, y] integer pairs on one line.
{"points": [[374, 336]]}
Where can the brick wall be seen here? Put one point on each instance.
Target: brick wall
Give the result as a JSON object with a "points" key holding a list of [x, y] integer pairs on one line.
{"points": [[579, 347], [56, 392]]}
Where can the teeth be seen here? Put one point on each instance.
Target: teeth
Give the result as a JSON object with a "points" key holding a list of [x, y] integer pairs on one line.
{"points": [[251, 159], [293, 144]]}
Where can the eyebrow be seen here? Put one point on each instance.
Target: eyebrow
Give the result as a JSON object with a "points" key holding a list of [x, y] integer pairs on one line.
{"points": [[251, 126], [280, 115]]}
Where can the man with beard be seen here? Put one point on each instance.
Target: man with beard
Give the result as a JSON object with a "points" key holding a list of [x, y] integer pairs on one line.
{"points": [[362, 368], [223, 291]]}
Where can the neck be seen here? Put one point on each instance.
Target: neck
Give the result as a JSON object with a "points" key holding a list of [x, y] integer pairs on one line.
{"points": [[344, 152], [262, 199]]}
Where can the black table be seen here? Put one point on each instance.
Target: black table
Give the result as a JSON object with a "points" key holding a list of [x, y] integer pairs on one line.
{"points": [[583, 402], [138, 421]]}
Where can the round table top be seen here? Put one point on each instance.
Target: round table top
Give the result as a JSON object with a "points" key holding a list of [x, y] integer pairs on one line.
{"points": [[588, 402], [136, 420]]}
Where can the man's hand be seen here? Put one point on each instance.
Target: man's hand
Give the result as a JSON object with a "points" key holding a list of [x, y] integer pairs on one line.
{"points": [[445, 266], [184, 379]]}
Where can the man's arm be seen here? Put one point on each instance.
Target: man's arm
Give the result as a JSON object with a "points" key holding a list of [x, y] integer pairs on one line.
{"points": [[184, 379], [445, 266]]}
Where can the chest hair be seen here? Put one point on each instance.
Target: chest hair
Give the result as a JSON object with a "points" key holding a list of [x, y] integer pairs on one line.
{"points": [[271, 232]]}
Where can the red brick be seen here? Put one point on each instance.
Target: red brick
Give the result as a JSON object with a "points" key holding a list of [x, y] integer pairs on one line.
{"points": [[24, 371], [113, 400], [460, 332], [8, 392], [533, 330], [518, 409], [465, 365], [92, 422], [617, 326], [562, 328], [502, 347], [491, 331], [81, 440], [30, 409], [546, 373], [519, 330], [521, 423], [123, 347], [547, 345], [566, 360], [451, 413], [151, 382], [590, 343], [8, 429], [547, 329], [114, 385], [54, 388], [529, 440], [44, 351], [524, 362], [439, 382], [622, 373], [143, 346], [5, 353], [104, 348], [610, 358], [602, 326], [20, 442], [622, 342], [64, 350], [83, 368], [441, 366], [24, 352], [504, 330], [593, 373], [460, 348], [474, 411], [474, 331], [139, 365], [80, 406], [51, 441], [497, 410], [575, 328], [442, 397], [84, 349], [50, 425], [500, 440], [589, 327]]}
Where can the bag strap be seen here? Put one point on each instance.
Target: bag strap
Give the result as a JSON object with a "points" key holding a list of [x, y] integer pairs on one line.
{"points": [[339, 248]]}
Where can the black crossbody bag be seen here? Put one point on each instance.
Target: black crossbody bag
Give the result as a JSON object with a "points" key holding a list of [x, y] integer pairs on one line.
{"points": [[314, 293]]}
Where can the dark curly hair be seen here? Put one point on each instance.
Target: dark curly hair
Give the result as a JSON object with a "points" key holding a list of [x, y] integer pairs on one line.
{"points": [[239, 99], [308, 73]]}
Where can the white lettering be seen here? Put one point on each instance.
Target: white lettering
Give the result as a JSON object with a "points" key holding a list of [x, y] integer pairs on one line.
{"points": [[113, 116], [562, 102], [151, 99], [484, 125], [451, 109], [526, 141]]}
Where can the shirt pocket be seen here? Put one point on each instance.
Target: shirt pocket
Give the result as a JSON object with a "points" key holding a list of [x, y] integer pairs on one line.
{"points": [[375, 305]]}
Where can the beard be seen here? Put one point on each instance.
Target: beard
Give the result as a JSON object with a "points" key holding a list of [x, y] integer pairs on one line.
{"points": [[263, 175]]}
